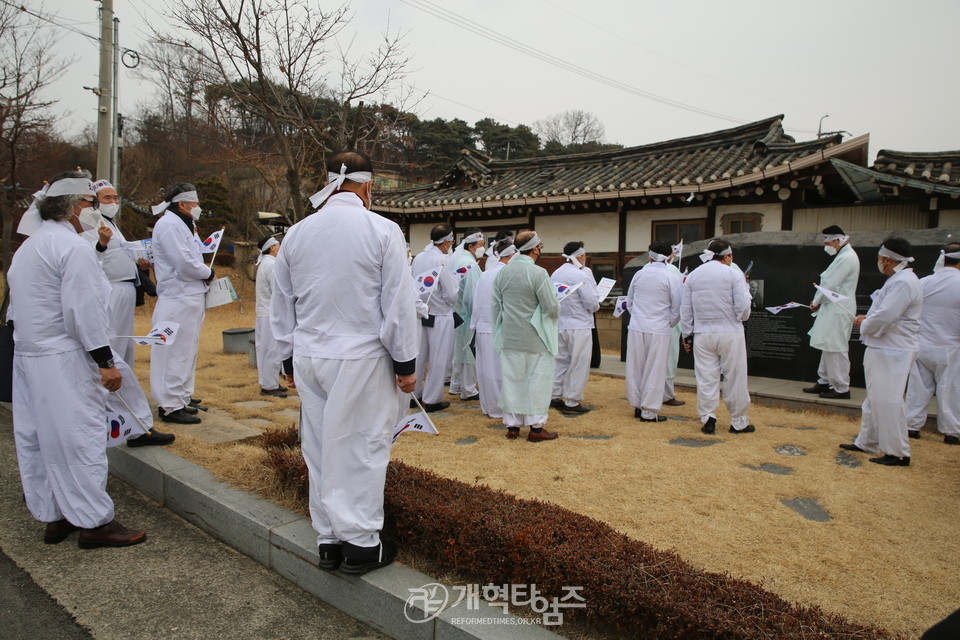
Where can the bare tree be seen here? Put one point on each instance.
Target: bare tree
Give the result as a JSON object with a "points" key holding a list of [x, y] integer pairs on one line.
{"points": [[26, 68], [265, 66], [570, 128]]}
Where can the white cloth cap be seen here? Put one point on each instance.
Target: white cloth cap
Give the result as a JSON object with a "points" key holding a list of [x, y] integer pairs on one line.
{"points": [[708, 255], [189, 196], [266, 248], [530, 244], [30, 221], [335, 181]]}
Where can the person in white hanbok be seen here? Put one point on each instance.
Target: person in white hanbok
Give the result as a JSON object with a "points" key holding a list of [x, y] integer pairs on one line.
{"points": [[119, 266], [524, 311], [64, 368], [488, 362], [654, 303], [714, 305], [889, 330], [436, 337], [575, 330], [463, 378], [673, 356], [834, 320], [343, 307], [269, 362], [936, 371], [182, 283]]}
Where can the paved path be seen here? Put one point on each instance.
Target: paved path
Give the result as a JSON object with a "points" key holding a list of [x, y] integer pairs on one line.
{"points": [[180, 584]]}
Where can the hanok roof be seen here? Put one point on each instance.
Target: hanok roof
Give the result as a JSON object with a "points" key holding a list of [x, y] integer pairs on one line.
{"points": [[933, 172], [706, 162]]}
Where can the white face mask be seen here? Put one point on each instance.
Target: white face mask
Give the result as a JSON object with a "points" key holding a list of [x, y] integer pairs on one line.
{"points": [[89, 218], [195, 212], [831, 251], [109, 209], [880, 267], [480, 252]]}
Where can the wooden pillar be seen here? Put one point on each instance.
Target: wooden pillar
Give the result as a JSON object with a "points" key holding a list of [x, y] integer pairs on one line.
{"points": [[786, 216], [711, 220], [621, 237]]}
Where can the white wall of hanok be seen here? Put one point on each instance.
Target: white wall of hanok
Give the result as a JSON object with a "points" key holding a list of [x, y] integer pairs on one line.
{"points": [[879, 217], [640, 224], [598, 231], [950, 219], [771, 215]]}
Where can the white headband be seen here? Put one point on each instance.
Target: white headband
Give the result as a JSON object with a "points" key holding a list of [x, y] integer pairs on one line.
{"points": [[573, 257], [886, 253], [942, 260], [189, 196], [102, 184], [509, 251], [530, 244], [30, 221], [266, 247], [335, 181], [708, 255], [446, 238], [835, 236], [658, 257], [470, 239]]}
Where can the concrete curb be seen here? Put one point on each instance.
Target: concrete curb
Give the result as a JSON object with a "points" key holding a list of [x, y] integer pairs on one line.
{"points": [[285, 543]]}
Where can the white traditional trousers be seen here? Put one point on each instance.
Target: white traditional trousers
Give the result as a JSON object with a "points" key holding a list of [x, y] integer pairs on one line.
{"points": [[348, 411], [524, 420], [647, 355], [463, 379], [935, 372], [123, 302], [488, 376], [269, 359], [669, 393], [883, 419], [436, 352], [173, 367], [574, 352], [60, 429], [835, 370], [715, 354]]}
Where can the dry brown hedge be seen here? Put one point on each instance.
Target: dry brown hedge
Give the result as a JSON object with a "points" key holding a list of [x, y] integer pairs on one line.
{"points": [[640, 592]]}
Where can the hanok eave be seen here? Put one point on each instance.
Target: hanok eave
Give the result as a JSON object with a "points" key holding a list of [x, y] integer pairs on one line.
{"points": [[749, 178]]}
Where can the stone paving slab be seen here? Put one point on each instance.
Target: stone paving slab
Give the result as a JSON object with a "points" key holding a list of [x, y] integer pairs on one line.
{"points": [[848, 460], [809, 508], [775, 469], [217, 427], [254, 404], [467, 440], [694, 442], [790, 450], [591, 437], [289, 414]]}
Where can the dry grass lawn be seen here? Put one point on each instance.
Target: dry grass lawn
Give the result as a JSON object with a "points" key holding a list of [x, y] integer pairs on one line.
{"points": [[884, 559]]}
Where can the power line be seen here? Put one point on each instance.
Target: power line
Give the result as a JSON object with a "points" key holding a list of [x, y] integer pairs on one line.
{"points": [[474, 27]]}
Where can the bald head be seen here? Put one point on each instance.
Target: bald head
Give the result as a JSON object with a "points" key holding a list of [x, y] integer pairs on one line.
{"points": [[523, 238]]}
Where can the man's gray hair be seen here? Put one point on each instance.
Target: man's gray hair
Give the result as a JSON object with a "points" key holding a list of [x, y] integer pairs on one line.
{"points": [[60, 208]]}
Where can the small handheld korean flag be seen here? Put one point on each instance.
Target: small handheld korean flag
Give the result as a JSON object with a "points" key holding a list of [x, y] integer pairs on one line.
{"points": [[464, 270], [415, 422], [832, 296], [212, 243], [163, 334], [621, 306], [789, 305], [122, 421], [427, 281], [564, 290]]}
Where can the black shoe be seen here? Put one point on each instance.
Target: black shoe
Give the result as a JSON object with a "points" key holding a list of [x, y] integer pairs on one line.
{"points": [[331, 555], [282, 388], [360, 560], [413, 403], [951, 440], [191, 410], [852, 447], [817, 388], [892, 461], [556, 403], [195, 402], [276, 393], [637, 413], [152, 438], [577, 408], [179, 417], [710, 426], [436, 406], [657, 419], [475, 396], [914, 433], [747, 429], [830, 394]]}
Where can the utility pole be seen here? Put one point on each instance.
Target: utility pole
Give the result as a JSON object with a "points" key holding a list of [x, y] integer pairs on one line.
{"points": [[115, 120], [105, 93]]}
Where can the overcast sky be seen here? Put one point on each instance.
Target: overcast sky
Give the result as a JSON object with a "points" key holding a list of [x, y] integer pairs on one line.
{"points": [[883, 67]]}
